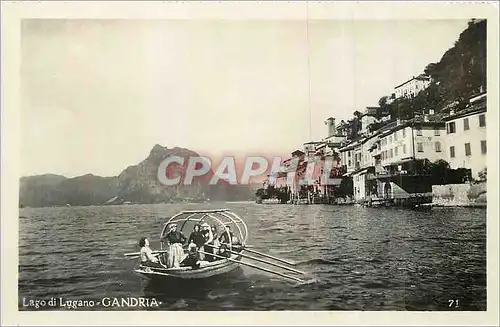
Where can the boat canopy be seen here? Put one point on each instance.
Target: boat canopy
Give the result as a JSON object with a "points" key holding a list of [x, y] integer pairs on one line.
{"points": [[186, 220]]}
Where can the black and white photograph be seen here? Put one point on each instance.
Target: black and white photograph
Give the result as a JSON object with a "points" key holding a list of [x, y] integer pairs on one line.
{"points": [[303, 163]]}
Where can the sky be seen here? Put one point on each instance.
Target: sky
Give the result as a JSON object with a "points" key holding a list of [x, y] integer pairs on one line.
{"points": [[96, 95]]}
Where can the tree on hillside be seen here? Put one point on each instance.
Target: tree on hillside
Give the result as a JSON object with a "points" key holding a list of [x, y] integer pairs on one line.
{"points": [[459, 75], [383, 107], [461, 72]]}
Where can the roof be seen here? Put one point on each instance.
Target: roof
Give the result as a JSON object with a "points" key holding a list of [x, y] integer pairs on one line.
{"points": [[320, 146], [297, 152], [432, 120], [360, 171], [350, 146], [335, 135], [469, 111], [478, 97], [402, 161], [419, 77]]}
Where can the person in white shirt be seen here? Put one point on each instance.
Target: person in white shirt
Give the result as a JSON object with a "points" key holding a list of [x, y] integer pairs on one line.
{"points": [[146, 254]]}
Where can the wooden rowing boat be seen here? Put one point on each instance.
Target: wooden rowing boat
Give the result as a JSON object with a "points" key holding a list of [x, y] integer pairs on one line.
{"points": [[220, 264]]}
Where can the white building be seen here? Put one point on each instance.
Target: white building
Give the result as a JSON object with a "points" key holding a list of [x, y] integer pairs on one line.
{"points": [[466, 139], [408, 141], [412, 86], [394, 147]]}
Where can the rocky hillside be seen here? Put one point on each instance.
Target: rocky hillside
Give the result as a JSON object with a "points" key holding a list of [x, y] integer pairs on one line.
{"points": [[136, 184]]}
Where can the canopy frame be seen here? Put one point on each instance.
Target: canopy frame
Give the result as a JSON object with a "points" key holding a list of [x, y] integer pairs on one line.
{"points": [[214, 214]]}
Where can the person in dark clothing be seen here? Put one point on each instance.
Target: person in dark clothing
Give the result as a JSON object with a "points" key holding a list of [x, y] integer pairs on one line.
{"points": [[175, 241], [196, 236], [174, 236], [192, 258], [229, 238], [224, 251]]}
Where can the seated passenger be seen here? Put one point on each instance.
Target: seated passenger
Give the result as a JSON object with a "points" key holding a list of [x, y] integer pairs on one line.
{"points": [[226, 236], [224, 251], [230, 239], [193, 256], [146, 254]]}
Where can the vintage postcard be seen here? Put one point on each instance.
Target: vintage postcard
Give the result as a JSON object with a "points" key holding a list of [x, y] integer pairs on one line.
{"points": [[257, 163]]}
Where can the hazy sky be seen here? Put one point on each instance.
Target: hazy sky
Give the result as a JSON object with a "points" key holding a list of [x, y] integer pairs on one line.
{"points": [[98, 94]]}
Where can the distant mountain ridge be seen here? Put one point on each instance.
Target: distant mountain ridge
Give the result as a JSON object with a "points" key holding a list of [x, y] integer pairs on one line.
{"points": [[135, 184]]}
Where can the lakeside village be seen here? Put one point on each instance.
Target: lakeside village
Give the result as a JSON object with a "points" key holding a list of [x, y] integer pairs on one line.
{"points": [[427, 160]]}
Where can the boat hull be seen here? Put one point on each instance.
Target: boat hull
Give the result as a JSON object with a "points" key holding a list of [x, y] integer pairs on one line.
{"points": [[186, 273]]}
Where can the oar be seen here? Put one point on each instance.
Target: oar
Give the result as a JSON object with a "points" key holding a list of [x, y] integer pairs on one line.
{"points": [[136, 254], [254, 266], [291, 263], [264, 261]]}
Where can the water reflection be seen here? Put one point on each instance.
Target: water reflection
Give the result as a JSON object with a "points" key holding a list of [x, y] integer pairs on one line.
{"points": [[358, 258]]}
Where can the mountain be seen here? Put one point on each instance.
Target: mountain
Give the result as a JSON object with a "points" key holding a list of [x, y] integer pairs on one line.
{"points": [[136, 184], [40, 189], [140, 183]]}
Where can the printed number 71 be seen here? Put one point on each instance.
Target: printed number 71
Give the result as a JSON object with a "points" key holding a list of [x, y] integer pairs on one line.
{"points": [[452, 303]]}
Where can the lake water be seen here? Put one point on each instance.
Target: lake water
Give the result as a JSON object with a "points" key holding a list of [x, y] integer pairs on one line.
{"points": [[357, 258]]}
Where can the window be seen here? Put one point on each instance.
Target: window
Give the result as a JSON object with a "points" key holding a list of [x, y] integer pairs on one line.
{"points": [[396, 136], [438, 146], [349, 164], [452, 151], [404, 132], [437, 132], [349, 154], [391, 153], [396, 151], [482, 120], [483, 147], [467, 149], [466, 124], [390, 139], [419, 131], [451, 128], [420, 147], [404, 148]]}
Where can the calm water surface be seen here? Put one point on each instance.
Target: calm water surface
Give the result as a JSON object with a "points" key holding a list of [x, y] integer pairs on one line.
{"points": [[358, 258]]}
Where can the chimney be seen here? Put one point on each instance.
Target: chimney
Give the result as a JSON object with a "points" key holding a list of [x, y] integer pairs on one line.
{"points": [[426, 118], [330, 123]]}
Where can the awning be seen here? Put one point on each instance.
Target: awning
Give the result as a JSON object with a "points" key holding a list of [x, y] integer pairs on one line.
{"points": [[400, 162]]}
